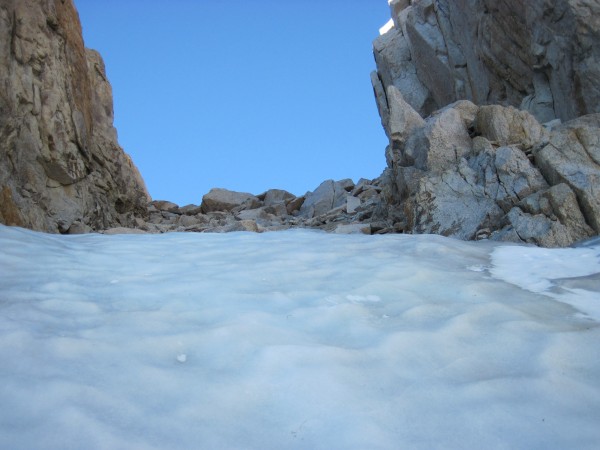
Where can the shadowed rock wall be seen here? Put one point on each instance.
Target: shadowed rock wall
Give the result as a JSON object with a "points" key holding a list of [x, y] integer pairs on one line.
{"points": [[540, 55]]}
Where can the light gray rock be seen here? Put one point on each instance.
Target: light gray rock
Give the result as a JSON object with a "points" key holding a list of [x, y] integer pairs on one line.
{"points": [[474, 170], [256, 214], [403, 119], [533, 229], [466, 110], [539, 55], [274, 196], [431, 49], [224, 200], [509, 126], [278, 209], [164, 205], [572, 157], [369, 193], [188, 221], [450, 183], [396, 67], [440, 144], [517, 178], [190, 210], [329, 195], [352, 204], [451, 204], [560, 207], [381, 100]]}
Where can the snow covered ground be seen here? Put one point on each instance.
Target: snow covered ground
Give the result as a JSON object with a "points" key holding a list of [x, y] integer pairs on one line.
{"points": [[296, 340]]}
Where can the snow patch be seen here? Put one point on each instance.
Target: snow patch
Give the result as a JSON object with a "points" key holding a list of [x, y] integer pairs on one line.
{"points": [[548, 271], [295, 340]]}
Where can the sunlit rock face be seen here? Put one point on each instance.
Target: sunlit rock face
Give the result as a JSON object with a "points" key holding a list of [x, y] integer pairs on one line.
{"points": [[463, 88], [61, 167]]}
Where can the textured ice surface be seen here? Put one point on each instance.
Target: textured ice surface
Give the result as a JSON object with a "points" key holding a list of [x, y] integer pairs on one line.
{"points": [[296, 340]]}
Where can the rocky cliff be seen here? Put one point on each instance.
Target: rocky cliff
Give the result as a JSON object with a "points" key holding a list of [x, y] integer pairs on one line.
{"points": [[492, 110], [539, 55], [462, 87], [61, 167]]}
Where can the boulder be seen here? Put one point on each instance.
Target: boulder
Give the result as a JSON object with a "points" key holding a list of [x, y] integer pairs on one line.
{"points": [[509, 126], [78, 227], [441, 143], [565, 222], [403, 119], [294, 205], [274, 196], [164, 205], [453, 182], [572, 157], [352, 204], [249, 225], [264, 216], [329, 195], [224, 200], [451, 203], [516, 177], [187, 221], [533, 229], [190, 210]]}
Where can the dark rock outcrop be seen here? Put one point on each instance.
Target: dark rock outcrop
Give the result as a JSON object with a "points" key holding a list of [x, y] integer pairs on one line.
{"points": [[61, 167]]}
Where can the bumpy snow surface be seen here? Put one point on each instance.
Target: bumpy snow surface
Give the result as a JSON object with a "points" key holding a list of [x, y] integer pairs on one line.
{"points": [[296, 340]]}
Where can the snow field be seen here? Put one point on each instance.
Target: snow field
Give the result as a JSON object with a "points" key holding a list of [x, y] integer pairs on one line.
{"points": [[296, 340]]}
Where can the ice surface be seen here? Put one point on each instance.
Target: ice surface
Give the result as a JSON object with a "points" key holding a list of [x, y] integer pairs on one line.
{"points": [[540, 269], [296, 340]]}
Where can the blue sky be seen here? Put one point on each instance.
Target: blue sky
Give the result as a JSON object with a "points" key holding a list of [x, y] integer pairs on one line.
{"points": [[243, 95]]}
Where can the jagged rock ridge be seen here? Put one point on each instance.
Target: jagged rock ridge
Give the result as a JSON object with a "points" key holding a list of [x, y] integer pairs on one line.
{"points": [[61, 167], [492, 171], [459, 164], [462, 160], [542, 55]]}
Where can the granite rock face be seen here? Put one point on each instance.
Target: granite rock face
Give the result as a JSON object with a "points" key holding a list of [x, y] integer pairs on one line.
{"points": [[541, 56], [494, 172], [462, 88], [61, 167], [491, 108]]}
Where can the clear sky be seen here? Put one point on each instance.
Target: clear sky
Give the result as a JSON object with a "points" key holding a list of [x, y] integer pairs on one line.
{"points": [[244, 95]]}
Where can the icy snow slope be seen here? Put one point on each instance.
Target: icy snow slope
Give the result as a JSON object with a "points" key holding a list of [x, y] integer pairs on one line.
{"points": [[296, 340]]}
